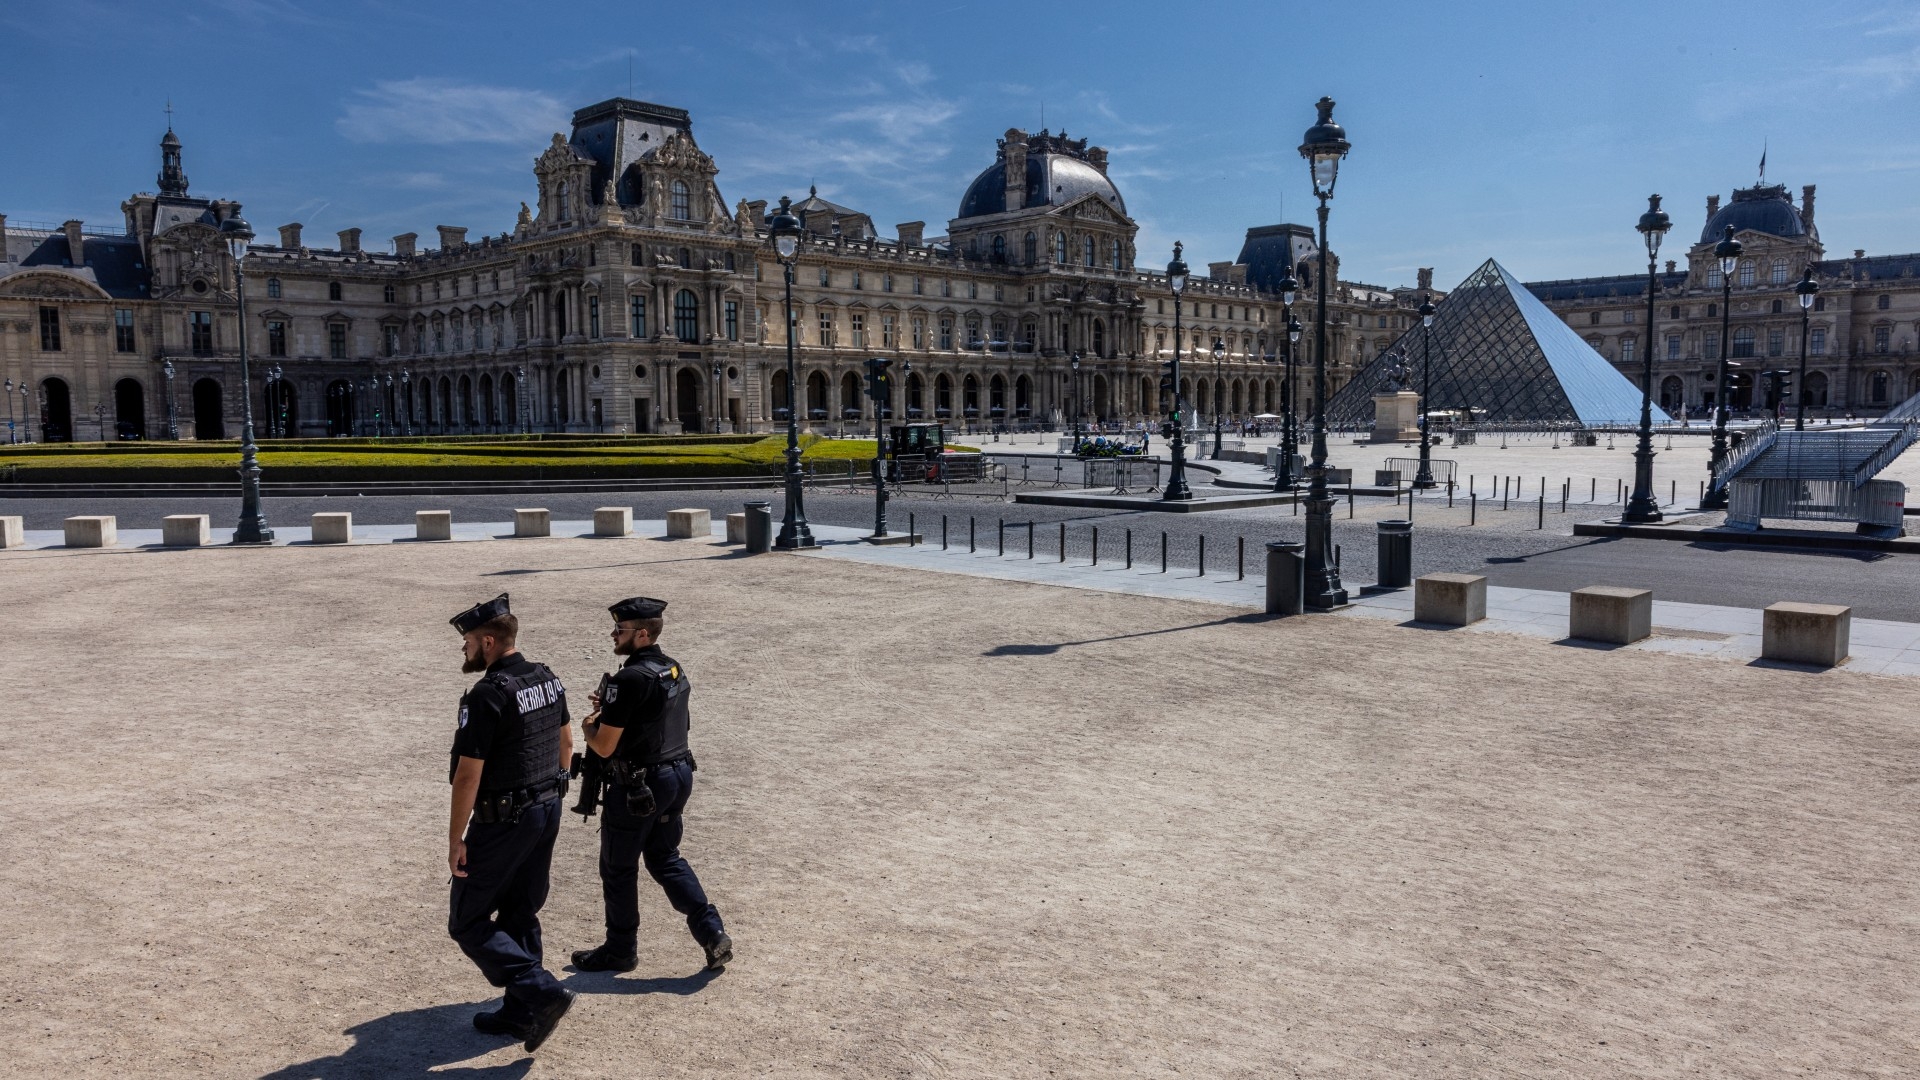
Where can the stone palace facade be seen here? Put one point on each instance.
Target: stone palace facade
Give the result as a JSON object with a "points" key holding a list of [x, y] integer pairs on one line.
{"points": [[629, 297]]}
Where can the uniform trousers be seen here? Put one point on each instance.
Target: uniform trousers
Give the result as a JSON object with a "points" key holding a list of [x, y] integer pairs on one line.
{"points": [[494, 912], [626, 839]]}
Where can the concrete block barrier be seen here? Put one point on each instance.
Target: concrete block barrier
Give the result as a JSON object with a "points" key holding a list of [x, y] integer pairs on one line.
{"points": [[1450, 599], [336, 528], [1610, 613], [433, 524], [532, 523], [689, 524], [613, 521], [185, 530], [13, 532], [1806, 633], [737, 528], [92, 531]]}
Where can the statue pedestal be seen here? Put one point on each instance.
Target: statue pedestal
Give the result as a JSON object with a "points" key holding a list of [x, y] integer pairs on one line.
{"points": [[1396, 417]]}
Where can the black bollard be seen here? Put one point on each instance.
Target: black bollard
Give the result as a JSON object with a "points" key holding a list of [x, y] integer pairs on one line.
{"points": [[1286, 577]]}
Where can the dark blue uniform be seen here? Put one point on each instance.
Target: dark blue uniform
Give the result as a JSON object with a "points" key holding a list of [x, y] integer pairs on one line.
{"points": [[647, 700], [512, 719]]}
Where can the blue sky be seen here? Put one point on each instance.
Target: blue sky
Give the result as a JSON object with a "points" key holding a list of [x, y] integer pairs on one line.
{"points": [[1530, 132]]}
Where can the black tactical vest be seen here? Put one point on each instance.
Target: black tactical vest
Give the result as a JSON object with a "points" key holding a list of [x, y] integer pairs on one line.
{"points": [[663, 736], [527, 749]]}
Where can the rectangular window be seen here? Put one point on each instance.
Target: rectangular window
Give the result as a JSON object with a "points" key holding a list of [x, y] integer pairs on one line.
{"points": [[1673, 346], [1626, 350], [826, 328], [917, 285], [886, 282], [888, 332], [733, 320], [1882, 338], [1626, 317], [50, 329], [439, 339], [826, 277], [946, 331], [459, 335], [1776, 342], [123, 329], [499, 328], [1713, 345], [200, 331], [973, 290], [337, 341], [973, 333], [859, 330], [637, 316], [919, 332], [276, 338], [391, 339], [1746, 273], [593, 316], [1714, 279], [856, 279], [1817, 341], [946, 286]]}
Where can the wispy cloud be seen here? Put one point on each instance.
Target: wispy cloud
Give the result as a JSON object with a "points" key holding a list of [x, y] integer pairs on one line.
{"points": [[444, 111]]}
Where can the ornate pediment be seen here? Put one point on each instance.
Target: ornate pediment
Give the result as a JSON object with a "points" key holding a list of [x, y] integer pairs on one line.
{"points": [[678, 151], [51, 284]]}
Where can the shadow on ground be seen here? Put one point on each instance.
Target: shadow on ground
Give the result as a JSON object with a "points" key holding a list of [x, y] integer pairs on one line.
{"points": [[420, 1044]]}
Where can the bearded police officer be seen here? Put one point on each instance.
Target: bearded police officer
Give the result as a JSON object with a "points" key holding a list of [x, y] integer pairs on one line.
{"points": [[639, 725], [509, 769]]}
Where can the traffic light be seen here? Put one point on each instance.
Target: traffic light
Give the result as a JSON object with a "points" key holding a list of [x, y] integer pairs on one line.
{"points": [[1166, 376], [877, 378]]}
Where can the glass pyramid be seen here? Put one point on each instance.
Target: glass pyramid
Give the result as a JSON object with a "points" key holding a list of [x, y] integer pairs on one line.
{"points": [[1499, 351]]}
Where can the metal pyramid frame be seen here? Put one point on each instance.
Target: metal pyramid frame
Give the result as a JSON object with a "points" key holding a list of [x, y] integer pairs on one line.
{"points": [[1499, 351]]}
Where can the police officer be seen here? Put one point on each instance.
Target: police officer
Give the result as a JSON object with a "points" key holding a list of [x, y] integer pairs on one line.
{"points": [[639, 724], [509, 771]]}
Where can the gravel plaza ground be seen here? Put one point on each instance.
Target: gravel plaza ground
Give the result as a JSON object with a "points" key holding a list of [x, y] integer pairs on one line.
{"points": [[958, 827]]}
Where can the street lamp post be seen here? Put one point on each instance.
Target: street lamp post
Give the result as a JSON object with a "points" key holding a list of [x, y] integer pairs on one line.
{"points": [[1177, 490], [1219, 354], [1423, 478], [1323, 148], [10, 436], [406, 395], [391, 402], [1074, 363], [1808, 289], [794, 533], [173, 429], [1283, 477], [100, 418], [879, 391], [1728, 252], [26, 415], [274, 418], [252, 528], [525, 394], [1642, 506]]}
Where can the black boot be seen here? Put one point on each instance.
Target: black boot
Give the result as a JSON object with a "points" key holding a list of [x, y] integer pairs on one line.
{"points": [[605, 958], [719, 952], [546, 1018], [509, 1019]]}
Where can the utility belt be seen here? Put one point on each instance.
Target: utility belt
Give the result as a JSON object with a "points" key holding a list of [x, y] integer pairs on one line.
{"points": [[632, 778], [496, 807]]}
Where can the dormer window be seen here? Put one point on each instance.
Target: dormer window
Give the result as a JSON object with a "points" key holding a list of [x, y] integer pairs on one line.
{"points": [[682, 201]]}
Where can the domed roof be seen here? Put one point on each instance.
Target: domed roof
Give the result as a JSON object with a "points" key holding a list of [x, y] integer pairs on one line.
{"points": [[1761, 209], [1058, 172]]}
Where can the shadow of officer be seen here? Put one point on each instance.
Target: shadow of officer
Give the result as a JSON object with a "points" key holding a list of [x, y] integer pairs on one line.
{"points": [[417, 1044], [508, 771], [639, 725]]}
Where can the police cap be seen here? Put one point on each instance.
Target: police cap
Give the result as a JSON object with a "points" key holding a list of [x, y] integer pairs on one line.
{"points": [[638, 607], [480, 614]]}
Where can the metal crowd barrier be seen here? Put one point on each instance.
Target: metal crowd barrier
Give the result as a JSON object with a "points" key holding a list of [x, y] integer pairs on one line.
{"points": [[1878, 505], [1445, 470], [1122, 475]]}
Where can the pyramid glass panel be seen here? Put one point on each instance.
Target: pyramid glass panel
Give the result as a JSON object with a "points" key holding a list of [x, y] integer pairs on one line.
{"points": [[1499, 351]]}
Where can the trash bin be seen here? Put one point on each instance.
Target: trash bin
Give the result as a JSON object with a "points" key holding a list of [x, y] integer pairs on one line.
{"points": [[759, 527], [1395, 548], [1286, 577]]}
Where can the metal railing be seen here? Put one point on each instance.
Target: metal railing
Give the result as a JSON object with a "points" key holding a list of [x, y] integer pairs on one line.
{"points": [[1878, 505], [1122, 475], [1758, 441], [1444, 469]]}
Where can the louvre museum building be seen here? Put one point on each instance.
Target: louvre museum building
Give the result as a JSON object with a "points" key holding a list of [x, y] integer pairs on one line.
{"points": [[629, 296]]}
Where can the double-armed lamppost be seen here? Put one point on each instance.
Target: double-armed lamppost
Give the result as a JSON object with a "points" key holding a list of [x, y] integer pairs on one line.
{"points": [[1728, 252], [1177, 490], [173, 429], [1808, 289], [252, 528], [1219, 354], [1642, 506], [1423, 478], [1323, 148], [10, 436], [794, 533]]}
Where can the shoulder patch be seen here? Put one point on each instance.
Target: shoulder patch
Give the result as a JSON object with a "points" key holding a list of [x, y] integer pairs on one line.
{"points": [[463, 717], [611, 694]]}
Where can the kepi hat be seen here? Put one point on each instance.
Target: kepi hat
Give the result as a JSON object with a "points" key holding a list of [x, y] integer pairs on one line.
{"points": [[638, 607], [480, 614]]}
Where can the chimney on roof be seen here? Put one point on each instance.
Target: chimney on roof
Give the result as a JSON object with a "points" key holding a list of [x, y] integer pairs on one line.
{"points": [[1015, 151], [819, 222], [912, 233], [1806, 206], [1670, 266], [1713, 205], [1219, 271], [75, 251], [451, 236], [1859, 253], [757, 210], [1425, 276], [290, 235], [403, 244], [1097, 157], [350, 241]]}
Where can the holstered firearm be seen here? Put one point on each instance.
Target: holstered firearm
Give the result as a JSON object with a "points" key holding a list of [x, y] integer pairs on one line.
{"points": [[591, 770]]}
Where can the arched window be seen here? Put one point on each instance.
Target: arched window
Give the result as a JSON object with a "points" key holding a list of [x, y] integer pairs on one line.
{"points": [[1778, 275], [1877, 388], [1746, 272], [1060, 248], [273, 288], [560, 200], [686, 315], [1033, 249], [682, 201], [1118, 262], [1087, 252], [333, 290], [999, 249]]}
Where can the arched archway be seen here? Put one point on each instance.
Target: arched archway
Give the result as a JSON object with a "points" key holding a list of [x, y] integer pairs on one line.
{"points": [[1100, 338], [444, 406], [56, 411], [916, 396], [466, 403], [1023, 397], [1814, 393], [970, 398], [209, 417], [489, 408], [849, 396], [687, 399], [563, 399], [129, 409], [997, 398], [510, 401], [1102, 398], [816, 395], [339, 408], [1148, 404], [1672, 394], [943, 396], [781, 395]]}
